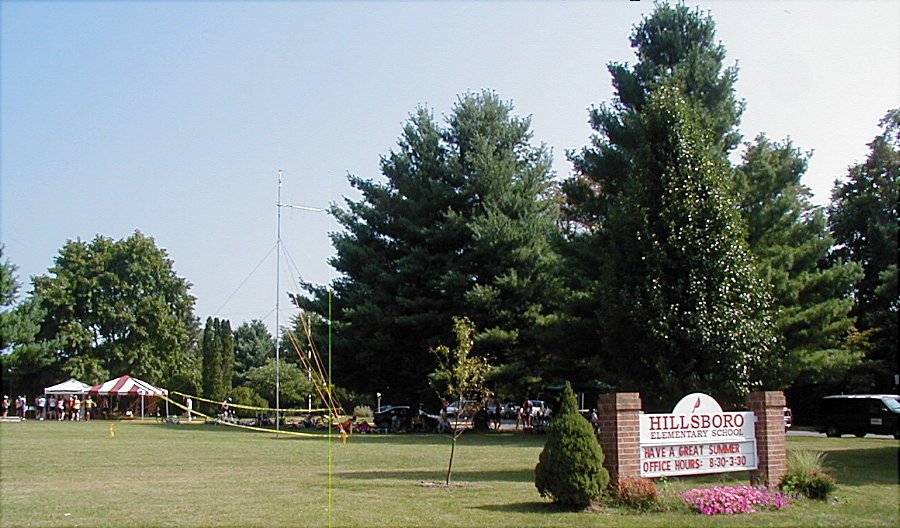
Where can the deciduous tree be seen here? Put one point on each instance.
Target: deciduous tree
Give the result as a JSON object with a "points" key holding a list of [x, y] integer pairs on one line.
{"points": [[114, 307], [459, 376], [253, 346], [683, 306]]}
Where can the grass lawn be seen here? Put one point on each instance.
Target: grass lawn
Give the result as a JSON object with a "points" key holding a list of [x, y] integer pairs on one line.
{"points": [[150, 474]]}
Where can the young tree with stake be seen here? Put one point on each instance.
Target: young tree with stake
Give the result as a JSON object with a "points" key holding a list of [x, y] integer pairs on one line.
{"points": [[459, 375]]}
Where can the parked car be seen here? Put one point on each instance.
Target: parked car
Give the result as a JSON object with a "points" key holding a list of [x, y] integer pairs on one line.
{"points": [[509, 410], [859, 414], [395, 418], [539, 409], [468, 407]]}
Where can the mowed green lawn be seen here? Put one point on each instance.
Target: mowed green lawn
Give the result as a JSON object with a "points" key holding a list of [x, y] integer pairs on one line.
{"points": [[150, 474]]}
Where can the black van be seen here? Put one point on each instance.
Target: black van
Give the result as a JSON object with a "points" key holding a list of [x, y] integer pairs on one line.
{"points": [[858, 414]]}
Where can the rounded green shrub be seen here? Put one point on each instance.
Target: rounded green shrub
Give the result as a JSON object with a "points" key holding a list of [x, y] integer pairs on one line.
{"points": [[570, 470]]}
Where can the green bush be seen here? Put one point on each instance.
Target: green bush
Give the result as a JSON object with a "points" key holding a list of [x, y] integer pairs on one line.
{"points": [[245, 395], [363, 411], [807, 475], [570, 470]]}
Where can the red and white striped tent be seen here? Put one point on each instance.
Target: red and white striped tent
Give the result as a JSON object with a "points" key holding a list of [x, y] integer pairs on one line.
{"points": [[128, 386]]}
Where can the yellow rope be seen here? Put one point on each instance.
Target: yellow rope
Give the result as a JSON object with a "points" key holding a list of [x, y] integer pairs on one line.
{"points": [[249, 407], [247, 427]]}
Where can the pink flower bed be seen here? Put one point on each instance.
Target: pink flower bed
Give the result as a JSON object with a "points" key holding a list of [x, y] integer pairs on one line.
{"points": [[742, 499]]}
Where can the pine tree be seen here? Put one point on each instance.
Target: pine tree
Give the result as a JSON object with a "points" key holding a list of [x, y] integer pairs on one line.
{"points": [[812, 294], [461, 226], [511, 259], [864, 216], [570, 469]]}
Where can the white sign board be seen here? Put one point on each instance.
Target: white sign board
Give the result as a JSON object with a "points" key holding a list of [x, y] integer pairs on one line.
{"points": [[697, 437]]}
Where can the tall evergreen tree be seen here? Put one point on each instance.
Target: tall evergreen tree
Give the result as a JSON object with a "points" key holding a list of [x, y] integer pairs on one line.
{"points": [[864, 218], [676, 47], [217, 350], [683, 306], [212, 360], [396, 256], [812, 294], [460, 226], [515, 285], [225, 337]]}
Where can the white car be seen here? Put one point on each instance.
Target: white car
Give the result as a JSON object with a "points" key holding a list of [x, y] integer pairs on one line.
{"points": [[539, 409], [467, 407]]}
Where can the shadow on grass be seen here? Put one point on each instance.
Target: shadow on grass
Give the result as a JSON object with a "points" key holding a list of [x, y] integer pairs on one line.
{"points": [[527, 507], [526, 475], [858, 467], [473, 438], [504, 438], [507, 439]]}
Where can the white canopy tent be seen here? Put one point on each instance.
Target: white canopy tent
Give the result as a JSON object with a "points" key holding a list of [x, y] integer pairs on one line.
{"points": [[72, 386]]}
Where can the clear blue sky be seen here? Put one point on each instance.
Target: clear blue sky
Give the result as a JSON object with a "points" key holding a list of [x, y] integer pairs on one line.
{"points": [[174, 117]]}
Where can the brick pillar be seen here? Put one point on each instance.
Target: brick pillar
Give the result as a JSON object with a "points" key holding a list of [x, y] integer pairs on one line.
{"points": [[620, 434], [770, 437]]}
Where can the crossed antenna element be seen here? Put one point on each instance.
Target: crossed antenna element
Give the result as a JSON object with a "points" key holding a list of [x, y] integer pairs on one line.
{"points": [[312, 362]]}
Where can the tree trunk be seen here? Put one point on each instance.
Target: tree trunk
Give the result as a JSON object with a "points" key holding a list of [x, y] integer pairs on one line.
{"points": [[452, 450]]}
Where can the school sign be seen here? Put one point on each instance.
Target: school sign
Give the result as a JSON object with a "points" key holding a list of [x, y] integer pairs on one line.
{"points": [[697, 437]]}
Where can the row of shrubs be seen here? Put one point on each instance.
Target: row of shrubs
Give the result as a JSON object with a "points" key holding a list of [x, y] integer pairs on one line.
{"points": [[570, 472], [806, 477]]}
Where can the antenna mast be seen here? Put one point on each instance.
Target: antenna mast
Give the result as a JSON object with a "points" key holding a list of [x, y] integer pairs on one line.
{"points": [[278, 312], [278, 243]]}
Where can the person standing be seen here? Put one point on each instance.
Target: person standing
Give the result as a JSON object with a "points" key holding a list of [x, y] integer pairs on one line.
{"points": [[5, 405], [51, 407], [89, 405], [39, 411], [189, 403], [527, 410], [61, 409], [21, 404]]}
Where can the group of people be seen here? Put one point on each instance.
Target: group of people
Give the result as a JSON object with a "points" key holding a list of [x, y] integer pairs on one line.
{"points": [[18, 407], [74, 407]]}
